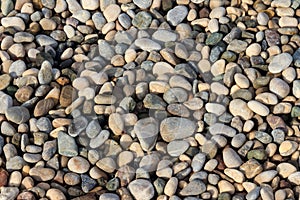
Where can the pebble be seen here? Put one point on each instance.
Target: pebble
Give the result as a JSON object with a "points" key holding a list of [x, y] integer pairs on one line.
{"points": [[280, 62], [231, 158], [141, 189], [90, 5], [112, 12], [66, 145], [143, 4], [262, 18], [55, 194], [294, 178], [223, 129], [100, 139], [279, 87], [42, 174], [175, 128], [288, 147], [175, 95], [14, 22], [171, 186], [235, 174], [173, 149], [258, 108], [263, 137], [116, 123], [9, 193], [286, 169], [17, 114], [265, 176], [78, 164], [177, 15], [195, 187], [147, 44], [147, 130], [142, 20]]}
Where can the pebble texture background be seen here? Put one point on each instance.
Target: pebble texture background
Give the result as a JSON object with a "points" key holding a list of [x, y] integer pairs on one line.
{"points": [[149, 99]]}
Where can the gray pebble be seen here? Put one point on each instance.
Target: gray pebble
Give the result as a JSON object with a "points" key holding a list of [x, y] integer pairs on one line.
{"points": [[66, 145], [44, 124], [17, 114]]}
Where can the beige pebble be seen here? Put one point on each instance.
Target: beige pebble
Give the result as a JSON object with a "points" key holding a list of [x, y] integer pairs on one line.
{"points": [[55, 194], [238, 107], [253, 50], [241, 80], [258, 108], [267, 98], [235, 174], [226, 186], [288, 22], [112, 12], [288, 147], [219, 88], [279, 87], [171, 186], [217, 68], [285, 169], [265, 176]]}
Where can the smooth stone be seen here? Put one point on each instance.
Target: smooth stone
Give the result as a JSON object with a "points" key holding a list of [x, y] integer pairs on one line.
{"points": [[175, 128], [285, 169], [237, 46], [176, 15], [146, 130], [55, 194], [235, 174], [215, 108], [87, 183], [296, 88], [258, 108], [267, 98], [177, 148], [45, 73], [279, 87], [171, 186], [141, 189], [41, 173], [142, 20], [5, 101], [116, 123], [78, 164], [44, 40], [231, 158], [195, 187], [265, 176], [109, 196], [147, 44], [90, 5], [9, 193], [20, 37], [154, 102], [164, 36], [238, 140], [294, 178], [7, 6], [82, 15], [198, 162], [17, 68], [175, 95], [77, 126], [223, 129], [143, 4], [43, 107], [17, 114], [99, 139], [14, 22], [263, 137], [280, 62], [112, 12], [98, 20], [288, 147]]}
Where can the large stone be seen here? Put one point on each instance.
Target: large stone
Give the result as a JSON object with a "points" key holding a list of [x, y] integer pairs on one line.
{"points": [[141, 189], [17, 114], [280, 62], [175, 128]]}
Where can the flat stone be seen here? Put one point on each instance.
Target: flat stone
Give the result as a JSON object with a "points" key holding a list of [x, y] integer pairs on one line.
{"points": [[272, 37], [198, 162], [280, 62], [195, 187], [143, 4], [235, 174], [286, 169], [20, 37], [147, 130], [66, 145], [82, 15], [288, 147], [99, 139], [17, 114], [263, 137], [177, 148], [296, 88], [4, 81], [43, 107], [116, 123], [90, 5], [175, 95], [53, 194], [231, 158], [141, 189], [78, 164], [237, 46], [77, 126], [258, 108], [265, 176], [154, 102], [44, 40], [147, 44], [177, 15], [175, 128], [142, 20], [41, 173], [112, 12]]}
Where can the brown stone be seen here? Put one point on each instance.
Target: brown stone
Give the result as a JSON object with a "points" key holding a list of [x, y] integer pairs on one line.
{"points": [[26, 195], [43, 107], [67, 95], [23, 94], [3, 177], [276, 122]]}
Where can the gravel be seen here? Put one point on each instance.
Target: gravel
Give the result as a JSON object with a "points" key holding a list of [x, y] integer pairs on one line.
{"points": [[136, 99]]}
